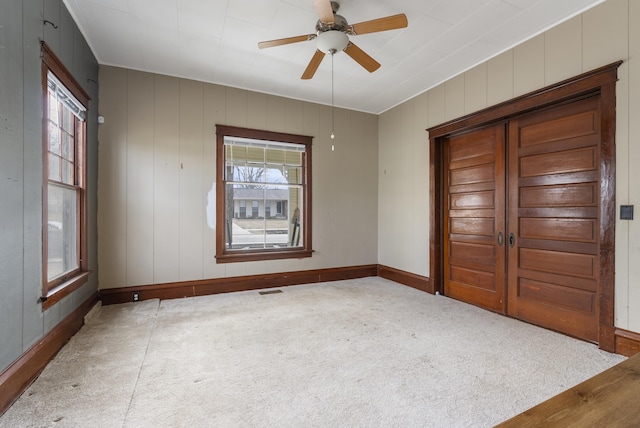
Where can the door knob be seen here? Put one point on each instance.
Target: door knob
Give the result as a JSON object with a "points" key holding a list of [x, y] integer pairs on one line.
{"points": [[500, 238]]}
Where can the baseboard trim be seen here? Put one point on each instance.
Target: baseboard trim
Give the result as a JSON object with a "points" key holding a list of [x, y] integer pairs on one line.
{"points": [[175, 290], [19, 375], [413, 280], [627, 342]]}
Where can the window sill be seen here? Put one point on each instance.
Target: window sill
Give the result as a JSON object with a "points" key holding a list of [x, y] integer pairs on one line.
{"points": [[263, 255], [58, 293]]}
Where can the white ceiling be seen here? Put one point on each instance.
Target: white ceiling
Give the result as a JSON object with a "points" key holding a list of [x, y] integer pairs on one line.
{"points": [[216, 41]]}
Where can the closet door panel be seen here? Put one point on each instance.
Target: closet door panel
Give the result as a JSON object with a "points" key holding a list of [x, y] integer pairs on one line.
{"points": [[474, 180], [553, 264]]}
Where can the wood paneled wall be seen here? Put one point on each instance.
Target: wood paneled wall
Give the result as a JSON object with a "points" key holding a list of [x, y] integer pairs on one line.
{"points": [[157, 172], [22, 320], [600, 36]]}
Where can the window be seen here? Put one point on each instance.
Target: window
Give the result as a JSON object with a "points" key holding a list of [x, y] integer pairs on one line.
{"points": [[64, 134], [271, 173]]}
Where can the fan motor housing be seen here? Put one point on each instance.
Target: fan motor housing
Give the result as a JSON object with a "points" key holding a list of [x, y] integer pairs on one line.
{"points": [[339, 24]]}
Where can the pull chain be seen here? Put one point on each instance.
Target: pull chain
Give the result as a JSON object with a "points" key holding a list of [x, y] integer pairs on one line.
{"points": [[333, 114]]}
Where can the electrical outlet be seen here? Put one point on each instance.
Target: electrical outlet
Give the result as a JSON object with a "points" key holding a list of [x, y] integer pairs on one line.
{"points": [[135, 296]]}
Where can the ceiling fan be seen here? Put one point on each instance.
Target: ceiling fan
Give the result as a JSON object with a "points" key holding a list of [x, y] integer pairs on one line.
{"points": [[332, 34]]}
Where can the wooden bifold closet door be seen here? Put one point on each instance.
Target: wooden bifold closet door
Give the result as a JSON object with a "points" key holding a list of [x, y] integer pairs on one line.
{"points": [[521, 217]]}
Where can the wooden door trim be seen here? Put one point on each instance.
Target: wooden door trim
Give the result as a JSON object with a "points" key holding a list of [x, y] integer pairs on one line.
{"points": [[607, 216], [587, 83], [600, 81]]}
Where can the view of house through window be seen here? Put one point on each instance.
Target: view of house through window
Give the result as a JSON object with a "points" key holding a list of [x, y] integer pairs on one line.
{"points": [[264, 195], [262, 176]]}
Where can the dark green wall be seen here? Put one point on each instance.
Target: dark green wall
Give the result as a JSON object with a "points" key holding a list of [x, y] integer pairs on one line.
{"points": [[22, 321]]}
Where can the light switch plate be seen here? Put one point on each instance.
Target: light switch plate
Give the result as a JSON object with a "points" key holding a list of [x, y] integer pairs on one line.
{"points": [[626, 212]]}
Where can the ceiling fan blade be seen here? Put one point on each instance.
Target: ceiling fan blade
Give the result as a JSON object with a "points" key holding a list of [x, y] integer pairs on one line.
{"points": [[313, 65], [324, 11], [286, 41], [381, 24], [362, 58]]}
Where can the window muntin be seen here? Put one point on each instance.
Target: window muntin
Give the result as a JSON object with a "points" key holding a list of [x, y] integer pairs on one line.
{"points": [[263, 195]]}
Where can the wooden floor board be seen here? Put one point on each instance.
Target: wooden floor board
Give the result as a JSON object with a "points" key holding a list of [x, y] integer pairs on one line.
{"points": [[607, 399]]}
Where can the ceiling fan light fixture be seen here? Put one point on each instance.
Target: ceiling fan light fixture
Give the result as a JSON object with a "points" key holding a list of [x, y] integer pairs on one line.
{"points": [[332, 36], [332, 41]]}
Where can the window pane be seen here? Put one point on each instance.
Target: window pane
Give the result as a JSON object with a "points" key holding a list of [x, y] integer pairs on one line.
{"points": [[62, 231], [250, 173], [67, 120], [54, 138], [255, 154], [237, 153], [293, 158], [275, 156], [268, 223], [67, 146], [54, 167], [53, 108], [67, 172], [275, 174], [294, 174], [295, 204]]}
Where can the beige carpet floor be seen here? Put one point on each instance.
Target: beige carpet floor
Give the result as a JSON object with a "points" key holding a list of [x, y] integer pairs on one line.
{"points": [[359, 353]]}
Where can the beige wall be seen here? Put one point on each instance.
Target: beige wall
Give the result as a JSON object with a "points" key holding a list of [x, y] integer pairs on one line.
{"points": [[157, 167], [605, 34]]}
